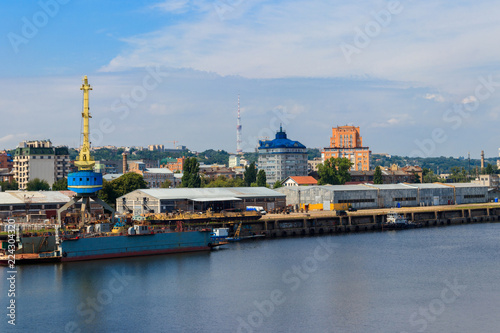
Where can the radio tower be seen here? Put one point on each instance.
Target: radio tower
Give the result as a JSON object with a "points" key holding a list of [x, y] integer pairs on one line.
{"points": [[239, 151]]}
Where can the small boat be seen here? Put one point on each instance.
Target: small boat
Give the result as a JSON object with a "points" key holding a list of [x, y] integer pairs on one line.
{"points": [[395, 222]]}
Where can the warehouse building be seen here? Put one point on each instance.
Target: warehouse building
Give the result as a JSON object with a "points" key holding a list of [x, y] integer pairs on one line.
{"points": [[367, 196], [198, 199], [18, 203]]}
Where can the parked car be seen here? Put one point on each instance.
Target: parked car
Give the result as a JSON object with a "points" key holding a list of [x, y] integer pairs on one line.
{"points": [[352, 209]]}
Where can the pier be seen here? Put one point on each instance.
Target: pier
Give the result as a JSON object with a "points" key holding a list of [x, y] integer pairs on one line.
{"points": [[325, 222]]}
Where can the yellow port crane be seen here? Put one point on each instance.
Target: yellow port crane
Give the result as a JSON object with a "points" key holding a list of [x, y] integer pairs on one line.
{"points": [[85, 160]]}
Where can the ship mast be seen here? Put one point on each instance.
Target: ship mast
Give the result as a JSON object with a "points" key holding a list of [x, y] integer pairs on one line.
{"points": [[85, 161]]}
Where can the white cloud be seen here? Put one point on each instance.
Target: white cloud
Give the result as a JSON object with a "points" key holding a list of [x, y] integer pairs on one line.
{"points": [[172, 6], [436, 44], [434, 97], [469, 99]]}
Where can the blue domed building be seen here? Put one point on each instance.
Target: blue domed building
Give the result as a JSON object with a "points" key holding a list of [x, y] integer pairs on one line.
{"points": [[281, 158]]}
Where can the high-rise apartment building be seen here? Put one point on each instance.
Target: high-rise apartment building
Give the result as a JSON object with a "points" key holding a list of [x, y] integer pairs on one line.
{"points": [[38, 159], [347, 142], [281, 158]]}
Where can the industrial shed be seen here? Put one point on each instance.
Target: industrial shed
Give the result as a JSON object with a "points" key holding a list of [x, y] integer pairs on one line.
{"points": [[470, 193], [198, 199], [17, 202], [386, 195]]}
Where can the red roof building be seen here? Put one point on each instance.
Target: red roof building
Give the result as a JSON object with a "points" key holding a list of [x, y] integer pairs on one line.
{"points": [[300, 181]]}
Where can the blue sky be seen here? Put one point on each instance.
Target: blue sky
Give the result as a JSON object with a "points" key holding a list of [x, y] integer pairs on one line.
{"points": [[419, 78]]}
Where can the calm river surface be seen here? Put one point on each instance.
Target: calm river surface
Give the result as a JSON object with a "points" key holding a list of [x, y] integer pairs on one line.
{"points": [[425, 280]]}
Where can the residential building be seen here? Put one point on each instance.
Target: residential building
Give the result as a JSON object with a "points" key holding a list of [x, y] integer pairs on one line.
{"points": [[300, 181], [347, 142], [173, 164], [236, 161], [6, 175], [156, 148], [38, 159], [415, 170], [281, 158], [6, 161], [154, 177], [214, 171], [109, 167], [312, 165]]}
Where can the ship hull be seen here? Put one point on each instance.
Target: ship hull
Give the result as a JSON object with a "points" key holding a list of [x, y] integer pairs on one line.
{"points": [[138, 245]]}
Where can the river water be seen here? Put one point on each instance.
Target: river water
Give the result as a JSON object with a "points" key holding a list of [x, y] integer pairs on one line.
{"points": [[424, 280]]}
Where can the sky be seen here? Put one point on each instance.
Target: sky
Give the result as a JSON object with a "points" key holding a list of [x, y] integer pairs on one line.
{"points": [[418, 78]]}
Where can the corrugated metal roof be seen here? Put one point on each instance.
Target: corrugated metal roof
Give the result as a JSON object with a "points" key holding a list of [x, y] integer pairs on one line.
{"points": [[8, 199], [346, 187], [214, 192], [35, 197], [388, 186], [215, 199], [158, 170], [465, 185], [427, 186]]}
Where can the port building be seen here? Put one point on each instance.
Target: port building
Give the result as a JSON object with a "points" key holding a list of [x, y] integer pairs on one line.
{"points": [[20, 203], [281, 158], [347, 142], [198, 199], [365, 196]]}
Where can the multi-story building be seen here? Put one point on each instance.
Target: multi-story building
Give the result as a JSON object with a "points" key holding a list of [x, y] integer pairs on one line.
{"points": [[108, 167], [281, 158], [154, 177], [6, 161], [347, 142], [174, 164], [38, 159]]}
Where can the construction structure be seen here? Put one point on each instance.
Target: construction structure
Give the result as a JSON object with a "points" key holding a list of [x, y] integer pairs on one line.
{"points": [[239, 150], [346, 142], [85, 182]]}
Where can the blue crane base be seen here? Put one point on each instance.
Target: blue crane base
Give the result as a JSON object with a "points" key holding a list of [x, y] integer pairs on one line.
{"points": [[85, 182]]}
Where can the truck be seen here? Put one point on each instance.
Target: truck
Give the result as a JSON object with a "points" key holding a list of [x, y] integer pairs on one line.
{"points": [[259, 209]]}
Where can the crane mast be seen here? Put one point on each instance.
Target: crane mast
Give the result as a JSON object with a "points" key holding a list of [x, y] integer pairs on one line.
{"points": [[85, 160]]}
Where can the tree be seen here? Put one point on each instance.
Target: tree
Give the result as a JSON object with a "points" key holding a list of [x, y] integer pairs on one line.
{"points": [[250, 174], [489, 169], [166, 184], [12, 186], [37, 185], [335, 171], [223, 181], [416, 178], [459, 175], [261, 178], [429, 176], [60, 185], [120, 186], [377, 176], [277, 184], [191, 176]]}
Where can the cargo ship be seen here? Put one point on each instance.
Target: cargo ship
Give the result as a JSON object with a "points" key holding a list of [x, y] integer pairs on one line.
{"points": [[138, 240]]}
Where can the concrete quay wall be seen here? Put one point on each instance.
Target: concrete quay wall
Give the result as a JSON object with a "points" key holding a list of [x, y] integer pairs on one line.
{"points": [[305, 224]]}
